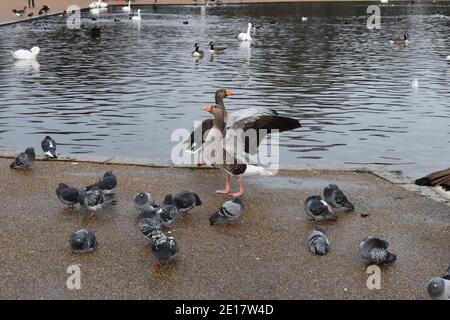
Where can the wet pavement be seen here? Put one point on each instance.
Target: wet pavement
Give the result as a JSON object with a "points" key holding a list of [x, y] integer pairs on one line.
{"points": [[265, 257]]}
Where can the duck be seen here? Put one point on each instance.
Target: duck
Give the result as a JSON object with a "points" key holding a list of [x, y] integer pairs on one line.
{"points": [[304, 19], [26, 54], [127, 8], [215, 50], [19, 13], [439, 181], [448, 58], [400, 40], [138, 17], [246, 36], [197, 53], [226, 127]]}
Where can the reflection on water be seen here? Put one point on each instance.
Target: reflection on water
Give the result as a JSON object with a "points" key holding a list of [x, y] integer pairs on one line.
{"points": [[124, 92]]}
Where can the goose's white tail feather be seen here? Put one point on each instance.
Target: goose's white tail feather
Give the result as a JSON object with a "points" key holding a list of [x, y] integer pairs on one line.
{"points": [[255, 170]]}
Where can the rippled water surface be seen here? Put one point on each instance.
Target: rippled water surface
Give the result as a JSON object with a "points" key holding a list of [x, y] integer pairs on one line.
{"points": [[124, 93]]}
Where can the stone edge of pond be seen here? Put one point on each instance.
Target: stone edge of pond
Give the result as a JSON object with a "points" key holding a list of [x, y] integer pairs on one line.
{"points": [[384, 172]]}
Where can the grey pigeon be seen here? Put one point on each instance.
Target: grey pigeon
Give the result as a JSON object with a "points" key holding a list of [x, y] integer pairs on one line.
{"points": [[167, 211], [186, 200], [164, 248], [107, 183], [374, 251], [67, 195], [318, 241], [82, 241], [336, 198], [24, 160], [48, 145], [228, 212], [439, 289], [144, 201], [318, 209], [94, 200], [149, 225]]}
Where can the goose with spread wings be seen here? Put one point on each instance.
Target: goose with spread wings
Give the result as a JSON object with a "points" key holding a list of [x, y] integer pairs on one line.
{"points": [[225, 143]]}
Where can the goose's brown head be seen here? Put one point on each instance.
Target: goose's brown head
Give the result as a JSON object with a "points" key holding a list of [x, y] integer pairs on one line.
{"points": [[222, 93], [216, 109]]}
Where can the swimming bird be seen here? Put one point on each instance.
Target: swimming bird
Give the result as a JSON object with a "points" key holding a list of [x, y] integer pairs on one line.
{"points": [[94, 199], [245, 36], [106, 184], [374, 251], [26, 54], [127, 8], [68, 195], [318, 209], [448, 58], [414, 84], [439, 181], [318, 241], [48, 145], [336, 198], [144, 201], [215, 50], [229, 212], [186, 200], [400, 40], [304, 19], [19, 13], [197, 53], [24, 160], [164, 248], [185, 22], [82, 241], [138, 17]]}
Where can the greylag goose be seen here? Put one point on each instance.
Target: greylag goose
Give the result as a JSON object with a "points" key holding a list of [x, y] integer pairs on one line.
{"points": [[220, 142], [439, 181]]}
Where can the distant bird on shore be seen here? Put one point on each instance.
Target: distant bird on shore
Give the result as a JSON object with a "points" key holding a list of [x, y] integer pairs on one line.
{"points": [[24, 160], [245, 36], [68, 195], [439, 287], [317, 209], [127, 8], [215, 50], [26, 54], [336, 198], [318, 241], [439, 181], [93, 200], [144, 201], [186, 200], [45, 8], [19, 13], [48, 145], [82, 241], [197, 53], [375, 251], [30, 14], [106, 184], [229, 212], [400, 40], [167, 211]]}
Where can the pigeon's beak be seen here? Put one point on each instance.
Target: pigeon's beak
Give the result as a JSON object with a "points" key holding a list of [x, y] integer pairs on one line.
{"points": [[207, 108], [349, 206], [228, 93]]}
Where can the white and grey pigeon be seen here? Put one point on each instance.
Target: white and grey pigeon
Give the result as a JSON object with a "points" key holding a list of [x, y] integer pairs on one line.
{"points": [[318, 241], [68, 195], [48, 145], [375, 251], [144, 201], [336, 198], [167, 211], [24, 160], [150, 224], [107, 183], [82, 241], [94, 200], [318, 209], [229, 212], [164, 248], [439, 288], [186, 200]]}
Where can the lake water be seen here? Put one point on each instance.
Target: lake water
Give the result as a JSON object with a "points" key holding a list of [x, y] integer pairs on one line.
{"points": [[125, 92]]}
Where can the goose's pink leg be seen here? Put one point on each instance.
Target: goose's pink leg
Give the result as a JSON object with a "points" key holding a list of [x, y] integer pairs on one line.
{"points": [[227, 187], [241, 189]]}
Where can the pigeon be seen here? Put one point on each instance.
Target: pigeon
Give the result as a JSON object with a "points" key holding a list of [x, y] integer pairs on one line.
{"points": [[67, 195], [94, 200], [105, 184], [186, 200], [164, 248], [439, 289], [82, 241], [318, 209], [228, 212], [49, 147], [144, 201], [318, 241], [374, 251], [336, 198], [25, 160], [167, 211], [150, 224]]}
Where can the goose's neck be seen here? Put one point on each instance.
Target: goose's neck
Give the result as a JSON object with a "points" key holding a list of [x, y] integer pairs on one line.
{"points": [[249, 28], [219, 122]]}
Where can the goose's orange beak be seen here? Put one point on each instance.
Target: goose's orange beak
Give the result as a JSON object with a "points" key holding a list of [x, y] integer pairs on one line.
{"points": [[207, 108], [228, 92]]}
